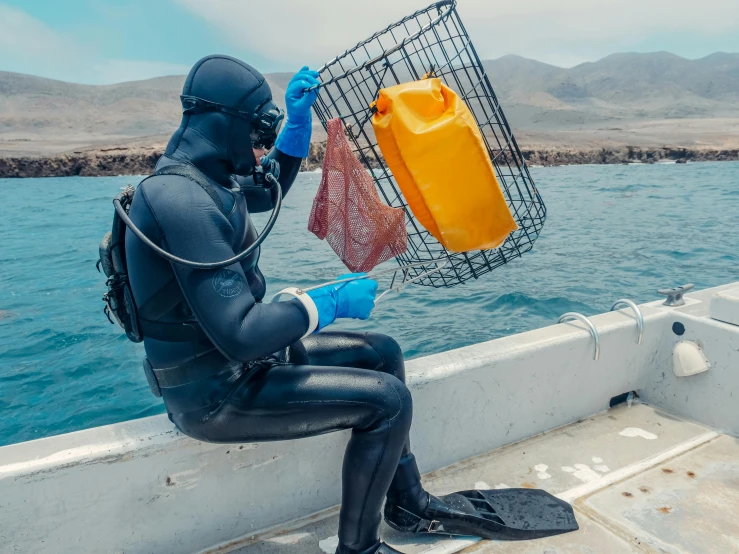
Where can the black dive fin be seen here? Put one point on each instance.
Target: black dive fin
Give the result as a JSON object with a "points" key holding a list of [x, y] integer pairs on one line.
{"points": [[501, 514]]}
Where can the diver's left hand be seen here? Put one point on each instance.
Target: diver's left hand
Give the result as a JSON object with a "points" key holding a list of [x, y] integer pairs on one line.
{"points": [[298, 102], [352, 299], [358, 300]]}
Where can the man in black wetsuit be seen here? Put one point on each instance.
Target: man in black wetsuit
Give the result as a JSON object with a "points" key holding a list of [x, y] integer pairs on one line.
{"points": [[234, 369]]}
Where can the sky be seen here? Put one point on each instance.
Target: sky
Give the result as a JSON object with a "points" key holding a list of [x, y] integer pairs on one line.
{"points": [[109, 41]]}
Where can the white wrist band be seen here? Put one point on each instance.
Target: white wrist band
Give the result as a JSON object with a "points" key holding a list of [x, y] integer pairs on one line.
{"points": [[308, 304]]}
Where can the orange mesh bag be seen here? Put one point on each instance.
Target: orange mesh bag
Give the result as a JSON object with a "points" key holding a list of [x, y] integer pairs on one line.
{"points": [[347, 210]]}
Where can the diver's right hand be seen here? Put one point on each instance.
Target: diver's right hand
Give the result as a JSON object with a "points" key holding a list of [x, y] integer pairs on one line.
{"points": [[294, 140], [353, 299], [297, 102]]}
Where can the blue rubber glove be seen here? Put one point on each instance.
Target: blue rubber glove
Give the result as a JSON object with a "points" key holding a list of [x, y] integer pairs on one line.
{"points": [[299, 103], [294, 140], [353, 299]]}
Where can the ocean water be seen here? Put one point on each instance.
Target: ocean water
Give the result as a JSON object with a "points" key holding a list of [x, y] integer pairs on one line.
{"points": [[612, 232]]}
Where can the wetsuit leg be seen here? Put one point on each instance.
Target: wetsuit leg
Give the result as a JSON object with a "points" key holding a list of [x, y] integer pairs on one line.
{"points": [[294, 401], [380, 353], [350, 349]]}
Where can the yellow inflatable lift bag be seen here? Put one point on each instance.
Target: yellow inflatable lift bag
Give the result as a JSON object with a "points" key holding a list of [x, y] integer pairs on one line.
{"points": [[431, 143]]}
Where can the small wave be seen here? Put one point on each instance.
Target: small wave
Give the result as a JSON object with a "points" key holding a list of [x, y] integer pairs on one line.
{"points": [[552, 307], [677, 254]]}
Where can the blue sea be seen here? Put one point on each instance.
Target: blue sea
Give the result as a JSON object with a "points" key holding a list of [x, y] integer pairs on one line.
{"points": [[611, 232]]}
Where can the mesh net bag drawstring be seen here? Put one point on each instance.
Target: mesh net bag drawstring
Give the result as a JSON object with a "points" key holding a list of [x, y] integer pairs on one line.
{"points": [[348, 212]]}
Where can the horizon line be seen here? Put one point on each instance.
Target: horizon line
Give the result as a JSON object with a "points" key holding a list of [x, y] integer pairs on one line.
{"points": [[718, 52]]}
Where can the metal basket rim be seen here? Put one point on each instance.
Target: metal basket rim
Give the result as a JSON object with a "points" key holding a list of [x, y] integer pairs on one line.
{"points": [[451, 5]]}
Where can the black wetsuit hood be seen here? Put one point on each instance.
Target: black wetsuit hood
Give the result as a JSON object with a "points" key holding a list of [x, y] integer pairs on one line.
{"points": [[219, 144]]}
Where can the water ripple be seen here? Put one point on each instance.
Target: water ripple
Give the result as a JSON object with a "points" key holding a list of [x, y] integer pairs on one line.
{"points": [[612, 232]]}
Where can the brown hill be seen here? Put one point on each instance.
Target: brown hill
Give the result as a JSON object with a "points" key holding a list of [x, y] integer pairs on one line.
{"points": [[43, 116], [624, 99]]}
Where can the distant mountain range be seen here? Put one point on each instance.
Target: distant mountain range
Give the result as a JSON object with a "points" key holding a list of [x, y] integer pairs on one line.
{"points": [[626, 98], [621, 86]]}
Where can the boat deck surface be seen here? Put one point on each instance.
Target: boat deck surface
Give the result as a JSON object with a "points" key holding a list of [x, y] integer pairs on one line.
{"points": [[640, 480]]}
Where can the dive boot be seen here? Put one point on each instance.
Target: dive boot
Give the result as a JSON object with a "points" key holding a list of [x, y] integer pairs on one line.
{"points": [[501, 514]]}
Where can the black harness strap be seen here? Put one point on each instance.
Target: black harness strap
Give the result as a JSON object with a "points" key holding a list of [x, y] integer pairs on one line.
{"points": [[193, 174], [203, 367], [170, 295], [162, 302], [199, 368]]}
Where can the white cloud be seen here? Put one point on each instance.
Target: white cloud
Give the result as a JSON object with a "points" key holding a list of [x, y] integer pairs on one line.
{"points": [[28, 45], [294, 32], [589, 29], [568, 31], [26, 40]]}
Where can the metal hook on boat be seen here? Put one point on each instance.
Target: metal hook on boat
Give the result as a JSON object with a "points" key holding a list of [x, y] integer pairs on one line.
{"points": [[637, 311], [593, 331]]}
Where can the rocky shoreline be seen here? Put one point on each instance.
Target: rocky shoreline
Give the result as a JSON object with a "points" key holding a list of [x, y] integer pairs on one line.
{"points": [[627, 154], [140, 161]]}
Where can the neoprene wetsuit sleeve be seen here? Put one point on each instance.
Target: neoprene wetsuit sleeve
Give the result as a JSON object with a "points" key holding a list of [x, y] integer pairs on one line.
{"points": [[259, 199], [193, 228]]}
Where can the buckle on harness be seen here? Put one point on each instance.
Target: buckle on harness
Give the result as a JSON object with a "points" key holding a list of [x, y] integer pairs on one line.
{"points": [[434, 526], [419, 524]]}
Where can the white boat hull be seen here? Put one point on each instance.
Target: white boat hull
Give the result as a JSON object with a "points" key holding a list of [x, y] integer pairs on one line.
{"points": [[141, 486]]}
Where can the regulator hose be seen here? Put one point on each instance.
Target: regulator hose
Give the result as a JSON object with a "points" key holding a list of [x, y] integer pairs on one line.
{"points": [[207, 265]]}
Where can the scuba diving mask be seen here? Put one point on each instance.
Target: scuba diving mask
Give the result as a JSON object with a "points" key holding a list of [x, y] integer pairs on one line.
{"points": [[266, 120], [266, 124]]}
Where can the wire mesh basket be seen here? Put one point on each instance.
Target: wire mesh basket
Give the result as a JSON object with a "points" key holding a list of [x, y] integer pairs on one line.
{"points": [[431, 42]]}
